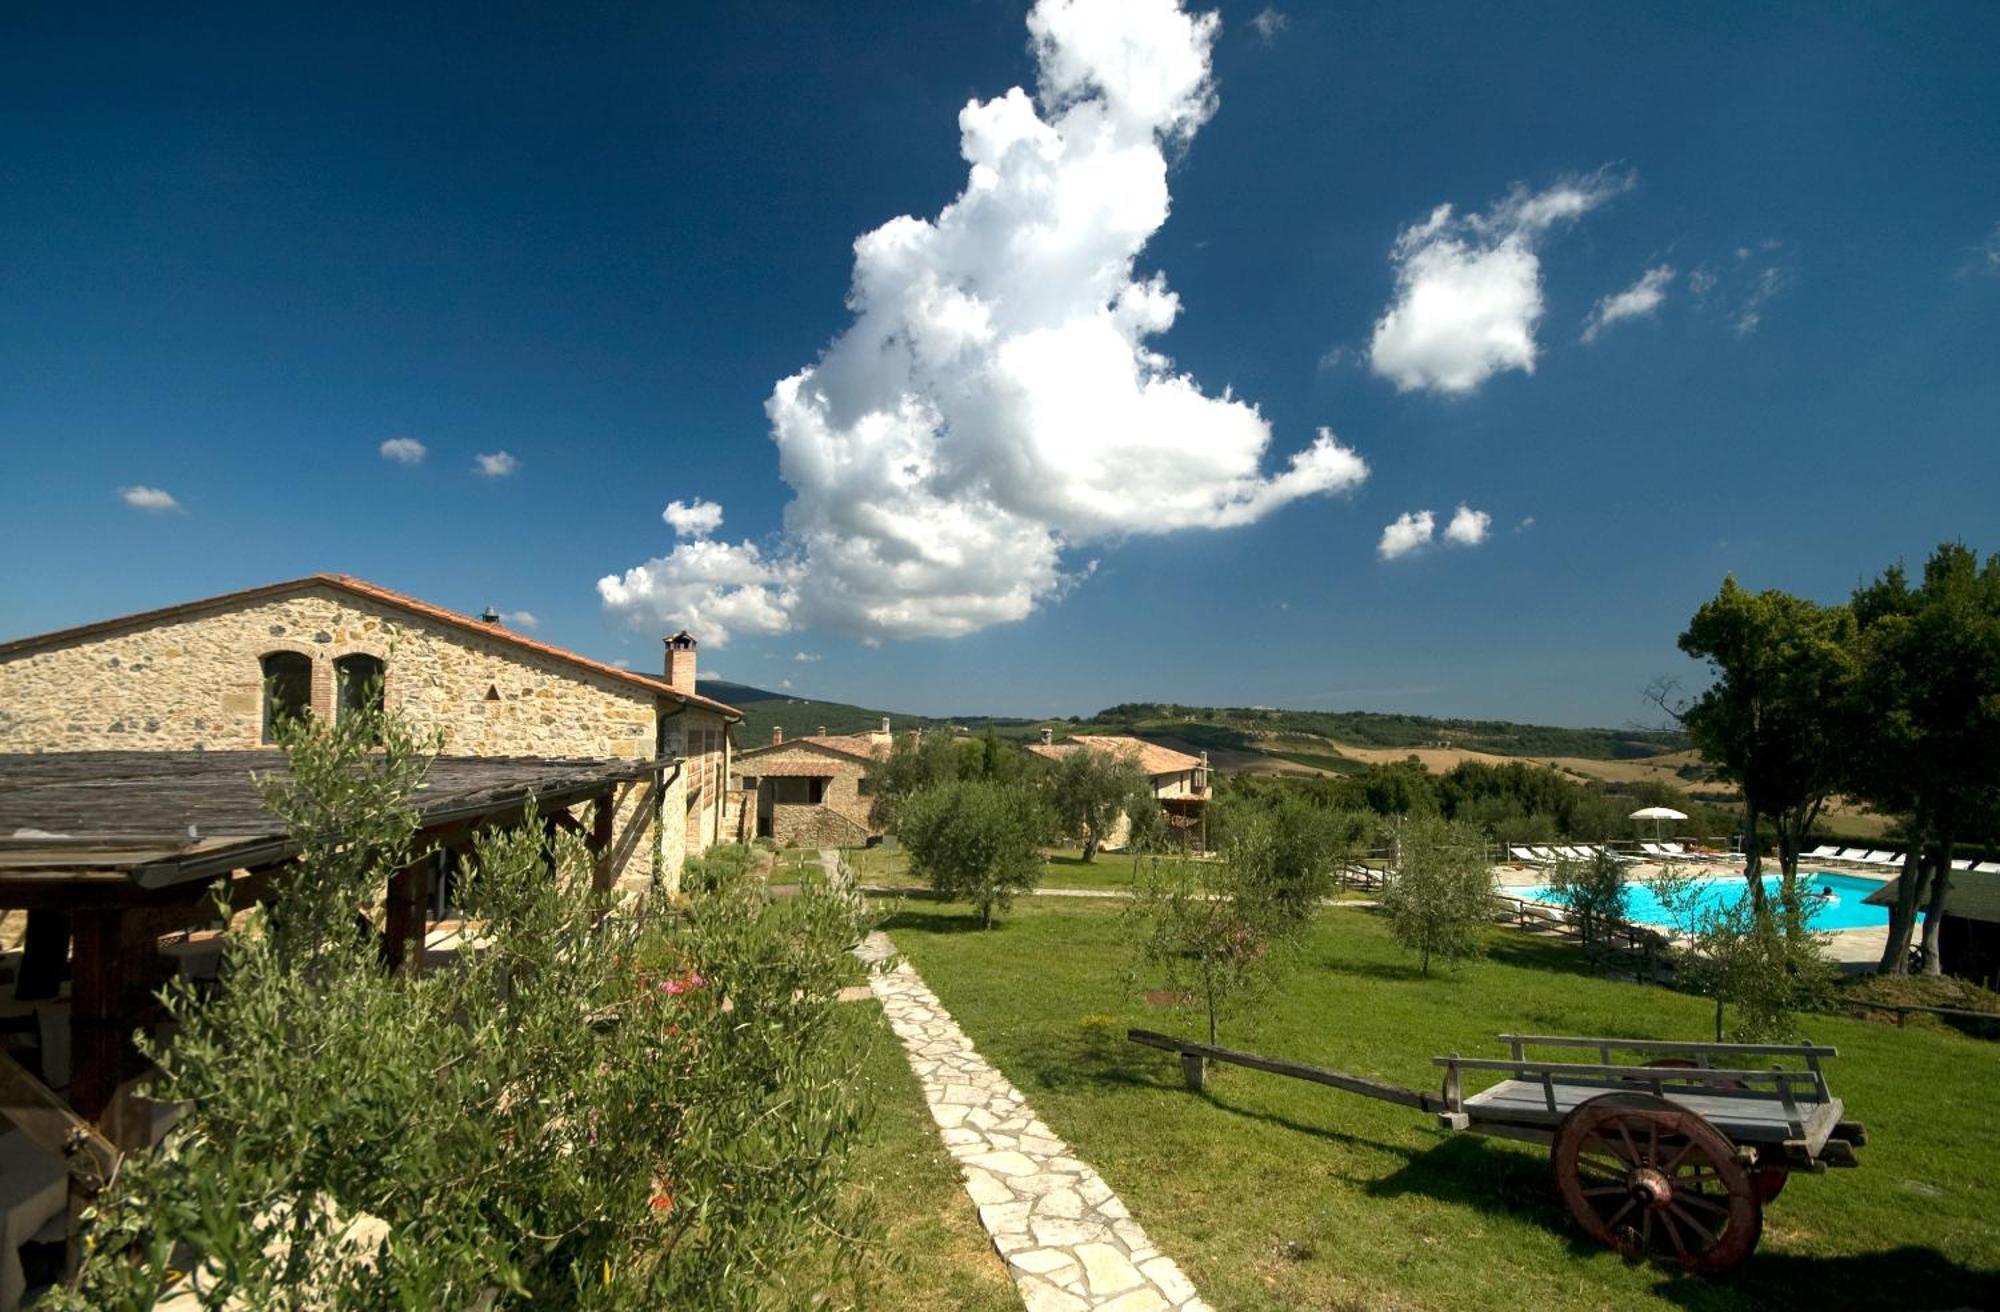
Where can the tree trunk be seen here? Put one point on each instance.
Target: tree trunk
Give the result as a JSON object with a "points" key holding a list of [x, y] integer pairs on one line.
{"points": [[1753, 859], [1934, 911], [1903, 912], [1089, 843], [1718, 1018]]}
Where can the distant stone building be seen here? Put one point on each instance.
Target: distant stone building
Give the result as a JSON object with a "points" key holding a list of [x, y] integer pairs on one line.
{"points": [[220, 673], [1180, 781], [813, 791]]}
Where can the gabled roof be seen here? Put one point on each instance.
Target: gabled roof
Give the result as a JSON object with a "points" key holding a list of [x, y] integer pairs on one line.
{"points": [[1152, 758], [385, 596], [860, 746]]}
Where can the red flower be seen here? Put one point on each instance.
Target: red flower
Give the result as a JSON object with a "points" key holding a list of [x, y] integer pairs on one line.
{"points": [[662, 1202]]}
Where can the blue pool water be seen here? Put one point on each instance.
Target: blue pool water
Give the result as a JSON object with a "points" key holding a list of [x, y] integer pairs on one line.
{"points": [[1844, 910]]}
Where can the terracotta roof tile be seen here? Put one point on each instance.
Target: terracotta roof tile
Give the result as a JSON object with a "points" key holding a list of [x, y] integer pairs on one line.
{"points": [[1152, 758]]}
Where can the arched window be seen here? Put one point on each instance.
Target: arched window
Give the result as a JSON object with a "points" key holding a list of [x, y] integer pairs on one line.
{"points": [[357, 684], [288, 679]]}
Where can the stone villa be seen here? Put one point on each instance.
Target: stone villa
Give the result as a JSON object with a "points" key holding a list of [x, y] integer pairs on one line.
{"points": [[813, 791], [219, 673]]}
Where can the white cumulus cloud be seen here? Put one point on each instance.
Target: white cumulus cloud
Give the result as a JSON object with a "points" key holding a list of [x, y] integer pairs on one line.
{"points": [[995, 403], [495, 464], [1469, 289], [805, 657], [1468, 527], [1269, 21], [1409, 530], [523, 619], [1640, 299], [693, 519], [148, 498], [404, 450]]}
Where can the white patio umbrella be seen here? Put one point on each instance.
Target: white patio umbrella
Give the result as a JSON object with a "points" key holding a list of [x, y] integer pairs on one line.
{"points": [[1657, 814]]}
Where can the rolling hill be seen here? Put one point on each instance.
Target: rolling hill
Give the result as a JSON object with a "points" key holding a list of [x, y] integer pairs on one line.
{"points": [[1264, 739]]}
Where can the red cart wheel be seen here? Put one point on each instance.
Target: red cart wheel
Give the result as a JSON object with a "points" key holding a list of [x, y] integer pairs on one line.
{"points": [[1654, 1180]]}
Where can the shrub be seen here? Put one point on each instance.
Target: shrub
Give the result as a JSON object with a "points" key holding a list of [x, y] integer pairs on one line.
{"points": [[582, 1112]]}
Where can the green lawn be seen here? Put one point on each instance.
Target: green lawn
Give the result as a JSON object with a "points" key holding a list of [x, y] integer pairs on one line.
{"points": [[933, 1252], [1061, 868], [1275, 1194]]}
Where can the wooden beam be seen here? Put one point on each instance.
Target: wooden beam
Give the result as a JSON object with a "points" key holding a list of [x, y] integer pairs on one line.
{"points": [[603, 813], [1188, 1048], [46, 1121]]}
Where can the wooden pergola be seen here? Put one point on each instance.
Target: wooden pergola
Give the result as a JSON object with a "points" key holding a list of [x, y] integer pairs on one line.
{"points": [[108, 851]]}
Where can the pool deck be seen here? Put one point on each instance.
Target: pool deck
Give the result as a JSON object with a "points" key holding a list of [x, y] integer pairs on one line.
{"points": [[1853, 951]]}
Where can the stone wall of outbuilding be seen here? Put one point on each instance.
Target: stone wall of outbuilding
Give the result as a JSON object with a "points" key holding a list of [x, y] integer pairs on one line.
{"points": [[194, 681]]}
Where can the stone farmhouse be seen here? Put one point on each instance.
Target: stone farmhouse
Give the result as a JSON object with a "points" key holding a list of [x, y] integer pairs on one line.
{"points": [[218, 674], [813, 791], [1180, 781]]}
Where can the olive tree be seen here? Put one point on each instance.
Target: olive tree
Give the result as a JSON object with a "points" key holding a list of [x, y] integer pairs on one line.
{"points": [[1210, 931], [1091, 790], [913, 763], [1440, 895], [976, 841], [1593, 891], [583, 1111], [1765, 962]]}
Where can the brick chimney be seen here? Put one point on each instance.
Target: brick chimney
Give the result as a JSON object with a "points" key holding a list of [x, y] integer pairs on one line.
{"points": [[777, 735], [1048, 737], [822, 731], [680, 660]]}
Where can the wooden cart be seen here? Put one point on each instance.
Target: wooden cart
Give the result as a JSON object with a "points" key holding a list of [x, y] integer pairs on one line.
{"points": [[1672, 1158]]}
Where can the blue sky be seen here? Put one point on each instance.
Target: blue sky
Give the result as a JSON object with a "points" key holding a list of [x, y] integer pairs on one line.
{"points": [[241, 250]]}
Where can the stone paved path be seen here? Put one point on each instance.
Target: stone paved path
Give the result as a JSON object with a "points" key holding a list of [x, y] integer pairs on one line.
{"points": [[1068, 1241]]}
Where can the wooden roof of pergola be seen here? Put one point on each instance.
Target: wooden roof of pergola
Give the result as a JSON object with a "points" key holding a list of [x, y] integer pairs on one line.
{"points": [[127, 844], [76, 827]]}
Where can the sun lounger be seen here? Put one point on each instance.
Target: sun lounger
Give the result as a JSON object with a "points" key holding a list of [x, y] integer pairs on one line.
{"points": [[1548, 855], [1883, 858], [1962, 863], [1855, 854], [1824, 854], [1987, 868], [1526, 856]]}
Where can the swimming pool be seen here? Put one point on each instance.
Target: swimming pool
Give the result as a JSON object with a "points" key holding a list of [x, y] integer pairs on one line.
{"points": [[1844, 910]]}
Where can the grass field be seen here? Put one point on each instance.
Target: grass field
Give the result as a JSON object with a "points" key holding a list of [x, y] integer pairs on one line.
{"points": [[933, 1252], [1062, 868], [1274, 1194]]}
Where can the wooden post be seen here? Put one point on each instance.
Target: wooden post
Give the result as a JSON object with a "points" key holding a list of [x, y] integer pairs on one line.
{"points": [[44, 949], [99, 1022], [603, 812], [405, 920], [1194, 1070]]}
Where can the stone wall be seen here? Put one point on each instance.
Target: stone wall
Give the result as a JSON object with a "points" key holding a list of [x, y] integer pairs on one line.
{"points": [[195, 682], [843, 796], [800, 825]]}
